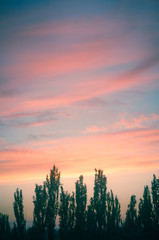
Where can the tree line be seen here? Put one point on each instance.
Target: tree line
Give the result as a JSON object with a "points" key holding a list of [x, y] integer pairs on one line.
{"points": [[99, 219]]}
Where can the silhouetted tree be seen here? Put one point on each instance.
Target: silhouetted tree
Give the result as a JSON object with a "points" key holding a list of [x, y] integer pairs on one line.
{"points": [[113, 216], [155, 202], [19, 213], [52, 186], [40, 206], [4, 227], [130, 226], [145, 214], [81, 201], [31, 234], [100, 221], [100, 201], [14, 232], [72, 213], [91, 221], [66, 214]]}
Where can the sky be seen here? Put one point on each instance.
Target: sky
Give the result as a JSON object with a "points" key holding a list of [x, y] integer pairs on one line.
{"points": [[79, 88]]}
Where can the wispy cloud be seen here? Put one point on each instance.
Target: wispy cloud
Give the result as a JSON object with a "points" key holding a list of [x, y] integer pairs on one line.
{"points": [[34, 118], [113, 151], [56, 73], [8, 93], [95, 129], [129, 122]]}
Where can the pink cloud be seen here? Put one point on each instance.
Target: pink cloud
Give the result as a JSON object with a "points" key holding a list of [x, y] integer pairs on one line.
{"points": [[95, 129], [77, 92], [46, 61], [114, 152], [129, 122], [35, 71]]}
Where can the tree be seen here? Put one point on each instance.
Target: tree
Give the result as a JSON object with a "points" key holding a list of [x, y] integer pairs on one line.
{"points": [[145, 213], [155, 199], [4, 227], [113, 216], [81, 201], [52, 186], [14, 232], [66, 213], [72, 212], [155, 202], [130, 225], [19, 213], [100, 201], [40, 206], [91, 221]]}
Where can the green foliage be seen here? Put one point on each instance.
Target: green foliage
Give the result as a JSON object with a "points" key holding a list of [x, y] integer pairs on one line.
{"points": [[155, 199], [100, 221], [72, 212], [19, 213], [130, 226], [66, 213], [81, 201], [4, 227], [145, 213], [40, 207], [113, 216], [91, 221], [100, 198], [131, 214], [155, 205], [52, 187]]}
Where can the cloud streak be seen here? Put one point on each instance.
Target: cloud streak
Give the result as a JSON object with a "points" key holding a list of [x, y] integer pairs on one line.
{"points": [[63, 83], [113, 151]]}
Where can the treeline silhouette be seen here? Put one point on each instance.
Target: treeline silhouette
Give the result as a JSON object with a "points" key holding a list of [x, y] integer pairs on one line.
{"points": [[99, 219]]}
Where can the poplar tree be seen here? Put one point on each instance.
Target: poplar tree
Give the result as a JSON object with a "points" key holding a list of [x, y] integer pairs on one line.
{"points": [[130, 225], [19, 213], [40, 206], [155, 202], [81, 201], [100, 201], [155, 198], [145, 213], [113, 216], [66, 214], [72, 213], [91, 221], [52, 187], [4, 227]]}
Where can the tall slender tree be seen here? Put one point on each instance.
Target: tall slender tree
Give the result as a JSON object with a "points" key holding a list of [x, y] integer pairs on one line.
{"points": [[52, 186], [155, 198], [72, 213], [4, 227], [91, 221], [113, 216], [130, 226], [40, 207], [100, 201], [66, 214], [145, 214], [19, 213], [155, 204], [81, 201]]}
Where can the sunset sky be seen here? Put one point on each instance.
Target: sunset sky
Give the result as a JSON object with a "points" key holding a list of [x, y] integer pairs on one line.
{"points": [[79, 88]]}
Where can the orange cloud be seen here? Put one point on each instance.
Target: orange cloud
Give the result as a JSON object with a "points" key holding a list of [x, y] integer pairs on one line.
{"points": [[116, 151]]}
